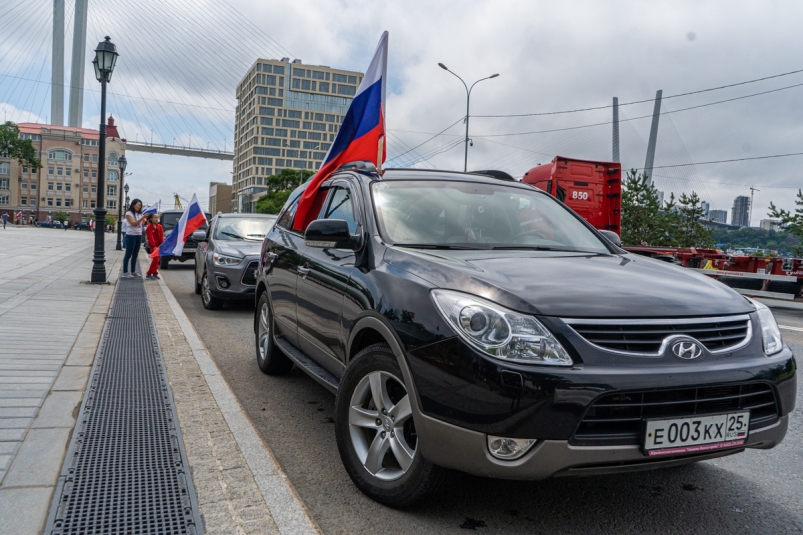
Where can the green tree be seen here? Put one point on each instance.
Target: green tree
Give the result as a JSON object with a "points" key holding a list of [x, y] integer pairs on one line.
{"points": [[640, 211], [791, 222], [280, 186], [61, 217], [18, 149], [688, 231]]}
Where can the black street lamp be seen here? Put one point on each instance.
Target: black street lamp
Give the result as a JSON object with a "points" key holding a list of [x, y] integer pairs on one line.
{"points": [[468, 98], [105, 58], [122, 162]]}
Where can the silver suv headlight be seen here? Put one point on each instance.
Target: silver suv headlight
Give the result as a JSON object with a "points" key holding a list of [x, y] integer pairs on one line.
{"points": [[499, 332], [770, 333], [223, 260]]}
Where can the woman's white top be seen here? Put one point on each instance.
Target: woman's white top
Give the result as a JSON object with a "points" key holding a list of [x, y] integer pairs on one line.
{"points": [[133, 230]]}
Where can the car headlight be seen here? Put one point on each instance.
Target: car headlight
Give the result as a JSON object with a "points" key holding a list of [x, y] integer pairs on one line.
{"points": [[499, 332], [223, 260], [770, 333]]}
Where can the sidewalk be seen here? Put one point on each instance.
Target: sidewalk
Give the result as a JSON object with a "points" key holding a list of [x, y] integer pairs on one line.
{"points": [[50, 325]]}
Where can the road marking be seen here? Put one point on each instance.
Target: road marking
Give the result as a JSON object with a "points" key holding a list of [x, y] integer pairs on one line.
{"points": [[799, 329], [286, 507]]}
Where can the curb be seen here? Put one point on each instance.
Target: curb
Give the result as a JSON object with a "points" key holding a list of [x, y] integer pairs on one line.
{"points": [[288, 511]]}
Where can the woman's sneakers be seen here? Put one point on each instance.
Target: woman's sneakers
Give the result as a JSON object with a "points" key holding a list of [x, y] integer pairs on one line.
{"points": [[152, 277]]}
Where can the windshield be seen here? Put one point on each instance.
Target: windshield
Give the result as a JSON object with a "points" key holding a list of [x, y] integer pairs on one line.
{"points": [[477, 216], [243, 228], [170, 219]]}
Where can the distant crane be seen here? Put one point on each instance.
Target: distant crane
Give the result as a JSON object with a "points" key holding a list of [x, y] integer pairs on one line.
{"points": [[750, 211], [177, 202]]}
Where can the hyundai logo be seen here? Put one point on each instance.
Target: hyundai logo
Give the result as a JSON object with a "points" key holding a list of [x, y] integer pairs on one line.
{"points": [[687, 349]]}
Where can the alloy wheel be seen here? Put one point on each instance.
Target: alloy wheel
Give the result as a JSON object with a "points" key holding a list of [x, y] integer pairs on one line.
{"points": [[264, 330], [381, 426], [206, 293]]}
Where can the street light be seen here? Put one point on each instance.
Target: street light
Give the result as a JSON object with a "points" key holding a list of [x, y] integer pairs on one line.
{"points": [[122, 162], [468, 98], [105, 58]]}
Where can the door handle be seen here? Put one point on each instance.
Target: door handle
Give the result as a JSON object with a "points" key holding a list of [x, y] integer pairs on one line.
{"points": [[303, 271], [272, 256]]}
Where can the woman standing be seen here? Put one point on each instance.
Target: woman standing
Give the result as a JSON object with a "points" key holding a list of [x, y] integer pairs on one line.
{"points": [[133, 238], [156, 237]]}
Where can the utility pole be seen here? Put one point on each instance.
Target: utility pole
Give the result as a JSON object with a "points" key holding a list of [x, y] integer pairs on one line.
{"points": [[656, 114], [57, 66], [750, 210], [615, 152]]}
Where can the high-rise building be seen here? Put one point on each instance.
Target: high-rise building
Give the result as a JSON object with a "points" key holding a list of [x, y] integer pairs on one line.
{"points": [[740, 215], [67, 181], [706, 207], [288, 115], [219, 198], [720, 216], [661, 199], [770, 224]]}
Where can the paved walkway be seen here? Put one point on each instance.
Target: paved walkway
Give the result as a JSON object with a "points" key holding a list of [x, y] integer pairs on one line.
{"points": [[50, 325]]}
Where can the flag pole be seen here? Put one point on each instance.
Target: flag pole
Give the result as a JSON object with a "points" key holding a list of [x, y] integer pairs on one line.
{"points": [[379, 154]]}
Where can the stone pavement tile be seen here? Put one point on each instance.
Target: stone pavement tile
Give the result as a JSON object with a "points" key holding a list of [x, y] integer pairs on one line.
{"points": [[82, 356], [12, 434], [39, 459], [24, 511], [5, 461], [20, 402], [14, 423], [8, 448], [72, 378], [59, 410], [17, 412]]}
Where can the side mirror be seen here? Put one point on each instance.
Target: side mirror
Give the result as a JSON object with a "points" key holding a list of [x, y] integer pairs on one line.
{"points": [[612, 237], [199, 235], [332, 234]]}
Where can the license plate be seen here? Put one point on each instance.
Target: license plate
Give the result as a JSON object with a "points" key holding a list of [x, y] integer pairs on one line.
{"points": [[696, 434]]}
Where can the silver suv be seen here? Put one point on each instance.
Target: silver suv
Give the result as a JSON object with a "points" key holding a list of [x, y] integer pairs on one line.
{"points": [[227, 257]]}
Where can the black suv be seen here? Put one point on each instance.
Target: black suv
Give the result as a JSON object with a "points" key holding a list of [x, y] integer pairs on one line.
{"points": [[478, 324]]}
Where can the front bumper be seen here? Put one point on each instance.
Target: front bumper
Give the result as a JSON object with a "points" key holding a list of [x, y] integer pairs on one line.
{"points": [[234, 282], [465, 450]]}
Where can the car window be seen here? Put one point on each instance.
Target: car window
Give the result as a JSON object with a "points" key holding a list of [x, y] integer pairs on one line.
{"points": [[286, 219], [242, 228], [170, 220], [341, 207], [476, 215]]}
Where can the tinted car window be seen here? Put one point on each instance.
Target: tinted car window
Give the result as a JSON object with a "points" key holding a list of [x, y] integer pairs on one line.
{"points": [[242, 228], [341, 207], [477, 215], [286, 219], [170, 219]]}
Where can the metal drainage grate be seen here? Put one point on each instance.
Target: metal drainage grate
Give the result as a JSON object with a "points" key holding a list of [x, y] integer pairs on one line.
{"points": [[126, 471]]}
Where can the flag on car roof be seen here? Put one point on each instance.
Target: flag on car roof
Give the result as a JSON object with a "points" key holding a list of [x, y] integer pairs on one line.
{"points": [[191, 220], [360, 135]]}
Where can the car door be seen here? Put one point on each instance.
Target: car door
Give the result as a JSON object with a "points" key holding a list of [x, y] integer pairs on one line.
{"points": [[280, 264], [323, 282]]}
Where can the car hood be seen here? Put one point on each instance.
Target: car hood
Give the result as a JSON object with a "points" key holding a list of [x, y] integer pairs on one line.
{"points": [[239, 248], [574, 284]]}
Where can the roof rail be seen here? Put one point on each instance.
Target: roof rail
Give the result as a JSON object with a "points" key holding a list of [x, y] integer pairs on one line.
{"points": [[501, 175], [359, 165]]}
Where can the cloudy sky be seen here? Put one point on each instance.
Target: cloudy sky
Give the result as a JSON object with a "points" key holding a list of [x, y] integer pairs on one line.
{"points": [[181, 59]]}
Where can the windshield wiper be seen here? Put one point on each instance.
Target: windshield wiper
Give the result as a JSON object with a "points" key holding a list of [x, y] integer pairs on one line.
{"points": [[541, 248], [235, 236], [439, 246]]}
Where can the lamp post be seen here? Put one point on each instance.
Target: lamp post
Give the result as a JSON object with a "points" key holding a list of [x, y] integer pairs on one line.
{"points": [[105, 58], [468, 98], [122, 162]]}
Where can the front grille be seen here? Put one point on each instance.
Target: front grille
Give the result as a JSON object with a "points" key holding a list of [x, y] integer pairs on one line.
{"points": [[250, 275], [647, 336], [616, 419]]}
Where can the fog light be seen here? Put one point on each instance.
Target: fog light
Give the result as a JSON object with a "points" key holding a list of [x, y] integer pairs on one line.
{"points": [[509, 448], [223, 282]]}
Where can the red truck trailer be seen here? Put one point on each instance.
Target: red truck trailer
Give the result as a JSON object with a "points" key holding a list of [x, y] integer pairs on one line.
{"points": [[592, 189]]}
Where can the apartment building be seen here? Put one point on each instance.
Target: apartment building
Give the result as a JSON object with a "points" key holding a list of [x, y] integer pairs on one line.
{"points": [[219, 198], [67, 181], [288, 114], [740, 213]]}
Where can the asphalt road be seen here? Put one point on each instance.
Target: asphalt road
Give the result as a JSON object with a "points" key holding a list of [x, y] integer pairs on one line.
{"points": [[752, 492]]}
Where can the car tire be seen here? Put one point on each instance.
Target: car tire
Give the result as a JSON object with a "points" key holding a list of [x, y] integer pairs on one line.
{"points": [[270, 359], [383, 459], [164, 263], [209, 301]]}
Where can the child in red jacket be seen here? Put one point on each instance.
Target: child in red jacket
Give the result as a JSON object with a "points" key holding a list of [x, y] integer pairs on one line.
{"points": [[156, 236]]}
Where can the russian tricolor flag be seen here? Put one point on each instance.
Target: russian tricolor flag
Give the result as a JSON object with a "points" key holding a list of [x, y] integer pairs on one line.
{"points": [[191, 220], [360, 135]]}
